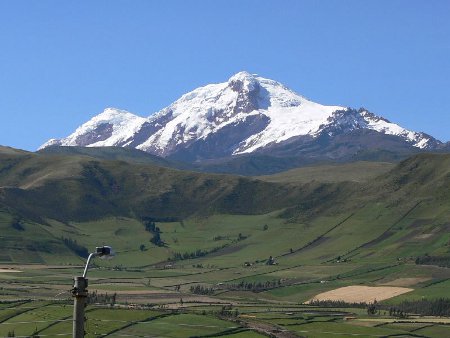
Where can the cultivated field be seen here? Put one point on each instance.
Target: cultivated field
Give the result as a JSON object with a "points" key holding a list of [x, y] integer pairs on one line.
{"points": [[361, 294]]}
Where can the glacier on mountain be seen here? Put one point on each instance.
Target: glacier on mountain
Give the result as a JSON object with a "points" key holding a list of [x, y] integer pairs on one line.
{"points": [[264, 112]]}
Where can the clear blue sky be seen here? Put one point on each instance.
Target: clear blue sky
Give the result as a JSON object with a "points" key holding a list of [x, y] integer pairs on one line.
{"points": [[62, 62]]}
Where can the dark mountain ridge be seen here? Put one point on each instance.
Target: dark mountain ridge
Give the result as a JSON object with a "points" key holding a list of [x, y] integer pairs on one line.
{"points": [[76, 187]]}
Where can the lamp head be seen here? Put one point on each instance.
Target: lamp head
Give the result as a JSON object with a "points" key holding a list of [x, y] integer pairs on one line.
{"points": [[104, 252]]}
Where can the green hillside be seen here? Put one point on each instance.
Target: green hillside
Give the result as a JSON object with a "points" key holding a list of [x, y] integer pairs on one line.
{"points": [[41, 189], [55, 208], [329, 173], [79, 188], [195, 239]]}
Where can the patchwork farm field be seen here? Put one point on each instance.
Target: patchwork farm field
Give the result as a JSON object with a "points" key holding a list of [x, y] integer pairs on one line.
{"points": [[240, 265], [230, 291]]}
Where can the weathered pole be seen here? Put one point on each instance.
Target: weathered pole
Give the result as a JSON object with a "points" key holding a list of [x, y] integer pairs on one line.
{"points": [[79, 294]]}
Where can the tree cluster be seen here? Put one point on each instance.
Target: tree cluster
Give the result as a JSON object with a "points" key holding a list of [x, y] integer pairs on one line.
{"points": [[201, 290], [157, 240], [101, 298], [151, 227], [442, 261], [241, 237], [254, 286], [372, 308], [393, 312], [178, 256], [17, 224], [227, 311]]}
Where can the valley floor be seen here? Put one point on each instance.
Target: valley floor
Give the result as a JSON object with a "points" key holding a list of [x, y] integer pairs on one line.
{"points": [[160, 302]]}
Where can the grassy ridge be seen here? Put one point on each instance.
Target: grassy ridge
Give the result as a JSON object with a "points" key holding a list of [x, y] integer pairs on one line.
{"points": [[79, 188], [354, 172]]}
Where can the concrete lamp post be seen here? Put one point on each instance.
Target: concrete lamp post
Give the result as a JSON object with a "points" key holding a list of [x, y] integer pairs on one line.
{"points": [[80, 292]]}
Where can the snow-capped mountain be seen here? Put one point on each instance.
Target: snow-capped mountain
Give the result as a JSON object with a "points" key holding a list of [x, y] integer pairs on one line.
{"points": [[246, 114], [109, 128]]}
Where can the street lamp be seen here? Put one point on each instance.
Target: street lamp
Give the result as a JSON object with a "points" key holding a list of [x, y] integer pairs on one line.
{"points": [[79, 291]]}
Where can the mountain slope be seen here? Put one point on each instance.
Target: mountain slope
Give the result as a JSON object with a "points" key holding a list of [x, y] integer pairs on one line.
{"points": [[403, 212], [74, 187], [71, 187], [245, 115]]}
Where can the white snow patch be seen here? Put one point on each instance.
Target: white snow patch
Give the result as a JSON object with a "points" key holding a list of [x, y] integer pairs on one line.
{"points": [[208, 109], [124, 125], [389, 128]]}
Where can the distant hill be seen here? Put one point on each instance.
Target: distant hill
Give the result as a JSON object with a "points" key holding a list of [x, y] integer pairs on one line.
{"points": [[85, 183], [11, 151], [79, 187]]}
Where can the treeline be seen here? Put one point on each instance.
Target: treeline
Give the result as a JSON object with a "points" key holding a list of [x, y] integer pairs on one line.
{"points": [[441, 261], [240, 237], [150, 226], [75, 247], [178, 256], [337, 304], [254, 286], [425, 307], [101, 298], [201, 290], [372, 308]]}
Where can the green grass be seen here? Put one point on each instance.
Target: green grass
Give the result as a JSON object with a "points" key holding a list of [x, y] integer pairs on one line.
{"points": [[435, 331], [30, 317], [355, 172], [339, 329], [177, 326], [367, 265], [244, 334], [50, 318]]}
